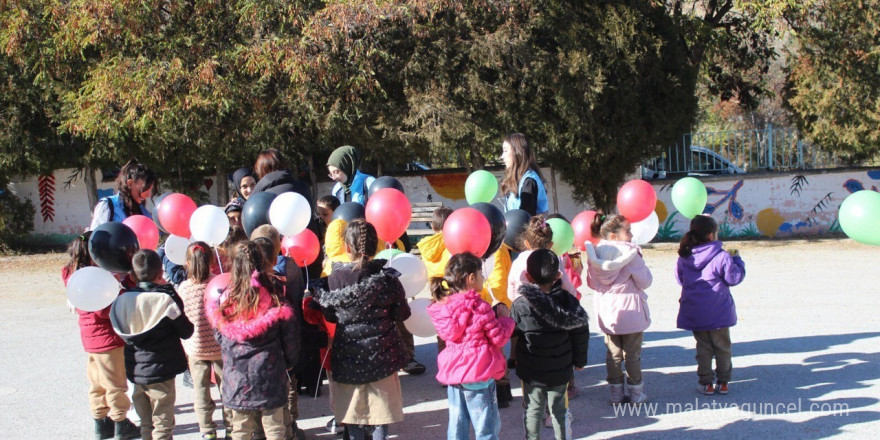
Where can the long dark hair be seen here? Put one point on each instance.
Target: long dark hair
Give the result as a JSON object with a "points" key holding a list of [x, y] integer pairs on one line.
{"points": [[604, 225], [198, 262], [78, 249], [523, 160], [134, 171], [701, 227], [454, 279], [361, 239], [243, 298]]}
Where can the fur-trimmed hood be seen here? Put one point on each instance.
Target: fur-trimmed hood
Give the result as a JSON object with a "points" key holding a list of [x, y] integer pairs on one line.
{"points": [[558, 308], [243, 329]]}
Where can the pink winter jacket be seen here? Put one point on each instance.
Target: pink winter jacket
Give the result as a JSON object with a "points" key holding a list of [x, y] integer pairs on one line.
{"points": [[619, 276], [474, 337]]}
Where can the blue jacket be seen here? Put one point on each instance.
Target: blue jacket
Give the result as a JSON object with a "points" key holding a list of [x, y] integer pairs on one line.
{"points": [[359, 187], [513, 200]]}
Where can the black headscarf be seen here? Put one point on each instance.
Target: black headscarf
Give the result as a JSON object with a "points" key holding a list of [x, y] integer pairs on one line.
{"points": [[237, 177]]}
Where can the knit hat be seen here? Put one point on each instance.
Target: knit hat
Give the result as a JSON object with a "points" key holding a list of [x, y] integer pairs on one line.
{"points": [[234, 205]]}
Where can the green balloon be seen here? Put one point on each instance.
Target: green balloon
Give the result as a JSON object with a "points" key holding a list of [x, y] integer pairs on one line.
{"points": [[689, 197], [563, 235], [481, 186], [860, 216], [388, 254]]}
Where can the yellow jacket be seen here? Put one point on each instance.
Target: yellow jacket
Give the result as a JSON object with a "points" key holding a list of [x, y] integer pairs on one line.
{"points": [[334, 245], [434, 254], [497, 280]]}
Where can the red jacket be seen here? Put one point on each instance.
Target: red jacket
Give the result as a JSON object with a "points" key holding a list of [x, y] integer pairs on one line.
{"points": [[95, 328]]}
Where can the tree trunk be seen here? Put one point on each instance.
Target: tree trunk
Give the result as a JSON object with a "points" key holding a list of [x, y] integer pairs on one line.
{"points": [[313, 177], [553, 188], [222, 185], [91, 186]]}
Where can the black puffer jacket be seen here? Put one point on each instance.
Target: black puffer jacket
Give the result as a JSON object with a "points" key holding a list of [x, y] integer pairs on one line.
{"points": [[365, 304], [554, 333], [150, 320], [282, 181]]}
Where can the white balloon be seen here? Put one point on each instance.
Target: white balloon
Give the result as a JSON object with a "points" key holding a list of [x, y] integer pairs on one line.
{"points": [[175, 249], [419, 323], [645, 230], [290, 213], [91, 289], [209, 224], [413, 274]]}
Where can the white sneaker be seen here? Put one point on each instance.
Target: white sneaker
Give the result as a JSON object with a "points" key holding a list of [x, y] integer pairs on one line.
{"points": [[332, 427]]}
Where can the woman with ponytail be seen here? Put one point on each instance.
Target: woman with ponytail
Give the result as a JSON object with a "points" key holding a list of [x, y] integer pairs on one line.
{"points": [[706, 272], [472, 360], [365, 300]]}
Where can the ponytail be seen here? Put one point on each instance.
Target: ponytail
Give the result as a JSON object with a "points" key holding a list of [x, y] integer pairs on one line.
{"points": [[454, 279], [538, 233], [702, 226], [361, 239], [606, 224], [198, 262]]}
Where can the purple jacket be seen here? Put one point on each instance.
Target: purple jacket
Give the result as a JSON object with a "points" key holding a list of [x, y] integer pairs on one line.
{"points": [[705, 278]]}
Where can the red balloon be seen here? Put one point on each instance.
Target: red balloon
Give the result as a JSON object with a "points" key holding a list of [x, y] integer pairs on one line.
{"points": [[174, 213], [303, 248], [635, 200], [389, 211], [146, 231], [581, 225], [467, 230], [216, 286]]}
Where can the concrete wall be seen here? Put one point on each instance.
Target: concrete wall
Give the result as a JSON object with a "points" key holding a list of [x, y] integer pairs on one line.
{"points": [[750, 205]]}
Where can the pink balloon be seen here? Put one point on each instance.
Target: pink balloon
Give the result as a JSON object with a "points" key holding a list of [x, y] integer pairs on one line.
{"points": [[467, 230], [635, 200], [389, 211], [216, 287], [303, 248], [146, 231], [581, 225], [174, 213]]}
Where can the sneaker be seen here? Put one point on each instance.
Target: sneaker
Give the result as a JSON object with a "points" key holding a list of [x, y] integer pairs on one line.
{"points": [[209, 436], [722, 388], [125, 430], [332, 427], [414, 368], [706, 389], [103, 428]]}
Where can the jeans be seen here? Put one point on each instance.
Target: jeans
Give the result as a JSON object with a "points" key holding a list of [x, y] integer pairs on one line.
{"points": [[360, 432], [479, 407]]}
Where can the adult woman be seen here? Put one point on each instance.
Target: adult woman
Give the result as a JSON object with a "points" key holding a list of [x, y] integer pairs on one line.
{"points": [[351, 184], [134, 185], [244, 181], [522, 182], [274, 176]]}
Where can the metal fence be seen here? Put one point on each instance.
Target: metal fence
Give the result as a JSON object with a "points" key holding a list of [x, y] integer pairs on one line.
{"points": [[740, 151]]}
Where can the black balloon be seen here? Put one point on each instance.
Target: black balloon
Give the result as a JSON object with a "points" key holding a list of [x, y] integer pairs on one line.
{"points": [[349, 211], [255, 212], [384, 182], [517, 220], [497, 224], [112, 245], [156, 210]]}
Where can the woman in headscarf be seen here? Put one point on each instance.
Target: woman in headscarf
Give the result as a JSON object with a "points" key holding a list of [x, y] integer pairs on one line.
{"points": [[244, 182], [351, 184]]}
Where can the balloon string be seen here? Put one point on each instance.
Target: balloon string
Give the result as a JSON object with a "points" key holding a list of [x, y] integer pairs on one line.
{"points": [[219, 264], [486, 274], [321, 370]]}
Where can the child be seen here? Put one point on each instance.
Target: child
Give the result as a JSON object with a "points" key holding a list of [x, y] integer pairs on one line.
{"points": [[150, 320], [202, 350], [105, 367], [472, 360], [365, 300], [522, 183], [259, 342], [324, 208], [432, 247], [706, 272], [537, 235], [553, 335], [619, 276]]}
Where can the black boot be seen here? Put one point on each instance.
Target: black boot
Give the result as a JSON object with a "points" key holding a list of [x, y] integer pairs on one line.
{"points": [[126, 430], [502, 392], [103, 428]]}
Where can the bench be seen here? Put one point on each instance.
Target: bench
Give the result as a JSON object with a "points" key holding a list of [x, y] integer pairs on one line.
{"points": [[420, 223]]}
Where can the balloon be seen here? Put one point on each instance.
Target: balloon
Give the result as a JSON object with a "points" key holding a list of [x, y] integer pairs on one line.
{"points": [[290, 213], [389, 211], [581, 227], [175, 212], [156, 207], [467, 230], [146, 231], [645, 230], [216, 287], [419, 323], [175, 249], [636, 200], [859, 216], [303, 248], [112, 245], [496, 224], [563, 235], [209, 224], [517, 221], [255, 212], [349, 211], [689, 197], [480, 186], [388, 254], [413, 274], [91, 289], [382, 183]]}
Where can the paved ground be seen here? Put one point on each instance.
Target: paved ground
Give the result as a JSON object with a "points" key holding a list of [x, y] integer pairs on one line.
{"points": [[805, 358]]}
